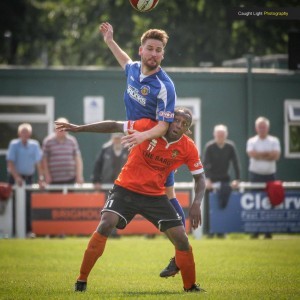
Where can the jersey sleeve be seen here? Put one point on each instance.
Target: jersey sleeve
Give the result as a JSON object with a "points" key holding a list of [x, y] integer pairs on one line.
{"points": [[139, 125], [127, 67], [166, 104], [194, 162]]}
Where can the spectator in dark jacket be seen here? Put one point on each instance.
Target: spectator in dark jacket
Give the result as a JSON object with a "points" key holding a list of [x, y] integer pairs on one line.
{"points": [[219, 154], [110, 161]]}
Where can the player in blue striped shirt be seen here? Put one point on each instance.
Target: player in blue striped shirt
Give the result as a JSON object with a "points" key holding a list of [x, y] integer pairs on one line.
{"points": [[150, 93]]}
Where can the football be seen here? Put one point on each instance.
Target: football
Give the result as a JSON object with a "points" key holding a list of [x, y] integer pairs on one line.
{"points": [[143, 5]]}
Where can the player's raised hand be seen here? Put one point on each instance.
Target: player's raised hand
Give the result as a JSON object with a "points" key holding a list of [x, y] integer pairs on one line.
{"points": [[61, 126], [107, 31]]}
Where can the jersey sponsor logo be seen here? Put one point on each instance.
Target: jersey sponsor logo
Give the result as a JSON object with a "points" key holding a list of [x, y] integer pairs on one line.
{"points": [[145, 90], [175, 153], [135, 95], [166, 114]]}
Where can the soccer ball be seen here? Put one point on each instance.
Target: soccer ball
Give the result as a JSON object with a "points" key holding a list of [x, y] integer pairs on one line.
{"points": [[143, 5]]}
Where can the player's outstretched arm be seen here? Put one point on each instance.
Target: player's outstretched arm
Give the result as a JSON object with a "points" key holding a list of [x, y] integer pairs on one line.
{"points": [[107, 32], [99, 127], [195, 209], [138, 137]]}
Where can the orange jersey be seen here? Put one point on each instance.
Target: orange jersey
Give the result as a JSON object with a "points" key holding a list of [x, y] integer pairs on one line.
{"points": [[150, 162]]}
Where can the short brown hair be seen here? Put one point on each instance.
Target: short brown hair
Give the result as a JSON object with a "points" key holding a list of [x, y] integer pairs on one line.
{"points": [[156, 34]]}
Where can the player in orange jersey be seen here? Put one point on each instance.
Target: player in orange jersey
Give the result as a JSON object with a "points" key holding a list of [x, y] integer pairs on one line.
{"points": [[139, 189]]}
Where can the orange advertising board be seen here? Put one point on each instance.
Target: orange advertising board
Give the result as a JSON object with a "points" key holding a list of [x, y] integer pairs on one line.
{"points": [[79, 214]]}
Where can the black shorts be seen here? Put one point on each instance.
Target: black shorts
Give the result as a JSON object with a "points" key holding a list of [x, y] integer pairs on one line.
{"points": [[156, 209]]}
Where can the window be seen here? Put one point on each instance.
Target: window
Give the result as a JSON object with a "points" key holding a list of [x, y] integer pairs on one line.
{"points": [[38, 111], [292, 128]]}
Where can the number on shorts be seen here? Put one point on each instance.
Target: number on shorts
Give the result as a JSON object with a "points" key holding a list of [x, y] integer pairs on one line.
{"points": [[108, 203]]}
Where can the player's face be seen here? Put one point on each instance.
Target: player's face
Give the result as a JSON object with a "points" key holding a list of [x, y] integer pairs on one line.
{"points": [[152, 53], [179, 126]]}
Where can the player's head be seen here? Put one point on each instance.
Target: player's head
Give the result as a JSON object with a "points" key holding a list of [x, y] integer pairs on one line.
{"points": [[155, 34], [181, 124], [152, 47]]}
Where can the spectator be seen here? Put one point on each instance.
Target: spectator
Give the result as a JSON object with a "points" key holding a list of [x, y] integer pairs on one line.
{"points": [[62, 160], [219, 154], [23, 157], [263, 151], [110, 161]]}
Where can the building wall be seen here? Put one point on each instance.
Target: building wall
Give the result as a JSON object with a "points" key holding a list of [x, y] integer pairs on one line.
{"points": [[234, 98]]}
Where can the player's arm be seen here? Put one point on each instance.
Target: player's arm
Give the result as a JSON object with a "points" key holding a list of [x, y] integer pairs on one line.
{"points": [[121, 56], [195, 210], [99, 127], [138, 137]]}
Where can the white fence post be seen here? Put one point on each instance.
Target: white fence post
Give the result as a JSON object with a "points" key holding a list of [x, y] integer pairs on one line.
{"points": [[20, 211]]}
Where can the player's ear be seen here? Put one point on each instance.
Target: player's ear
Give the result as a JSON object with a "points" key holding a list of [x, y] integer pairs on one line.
{"points": [[188, 132], [140, 50]]}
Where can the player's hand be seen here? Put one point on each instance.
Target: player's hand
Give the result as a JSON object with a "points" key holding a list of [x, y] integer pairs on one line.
{"points": [[133, 139], [107, 31], [61, 126], [195, 215]]}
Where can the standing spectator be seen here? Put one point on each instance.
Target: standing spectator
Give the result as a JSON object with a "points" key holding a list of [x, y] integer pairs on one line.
{"points": [[263, 151], [219, 154], [23, 157], [62, 160], [110, 161]]}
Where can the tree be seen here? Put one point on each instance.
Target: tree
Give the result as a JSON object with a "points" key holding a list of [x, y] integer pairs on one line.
{"points": [[65, 32]]}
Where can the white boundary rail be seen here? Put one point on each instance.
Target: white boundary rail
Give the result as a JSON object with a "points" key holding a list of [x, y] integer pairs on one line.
{"points": [[20, 196]]}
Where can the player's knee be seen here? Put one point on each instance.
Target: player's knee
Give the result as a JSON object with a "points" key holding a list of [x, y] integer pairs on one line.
{"points": [[181, 242], [105, 228], [107, 224]]}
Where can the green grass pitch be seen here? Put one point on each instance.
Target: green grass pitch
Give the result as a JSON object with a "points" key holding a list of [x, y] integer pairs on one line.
{"points": [[234, 268]]}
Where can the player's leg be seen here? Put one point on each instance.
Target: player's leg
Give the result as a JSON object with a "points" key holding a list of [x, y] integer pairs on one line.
{"points": [[171, 269], [95, 248], [113, 215], [160, 212], [184, 258]]}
